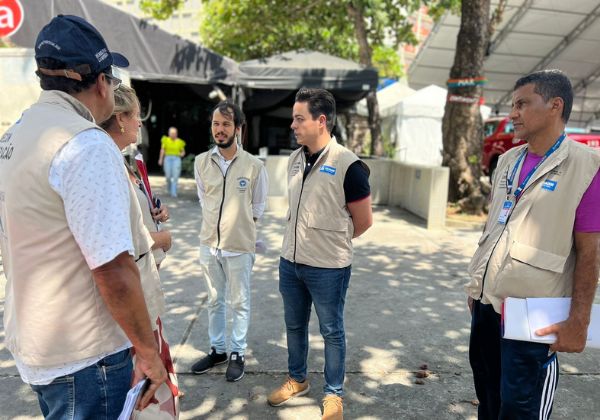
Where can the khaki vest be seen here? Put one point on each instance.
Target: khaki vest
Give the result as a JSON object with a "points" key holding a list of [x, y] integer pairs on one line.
{"points": [[142, 244], [319, 228], [54, 313], [159, 254], [533, 254], [227, 221]]}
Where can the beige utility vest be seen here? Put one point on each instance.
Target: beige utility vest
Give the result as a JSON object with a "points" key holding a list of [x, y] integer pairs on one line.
{"points": [[319, 227], [533, 254], [54, 313], [142, 244], [227, 220]]}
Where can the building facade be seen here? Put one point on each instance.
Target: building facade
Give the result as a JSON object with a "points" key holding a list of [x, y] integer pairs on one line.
{"points": [[184, 22]]}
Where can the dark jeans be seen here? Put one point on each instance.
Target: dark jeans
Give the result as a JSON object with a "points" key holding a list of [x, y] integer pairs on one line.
{"points": [[301, 286], [513, 379], [96, 392]]}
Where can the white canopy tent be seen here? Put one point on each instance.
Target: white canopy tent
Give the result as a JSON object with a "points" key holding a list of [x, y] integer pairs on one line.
{"points": [[414, 125]]}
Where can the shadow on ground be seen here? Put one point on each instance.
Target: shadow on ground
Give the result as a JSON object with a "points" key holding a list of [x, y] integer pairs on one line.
{"points": [[405, 308]]}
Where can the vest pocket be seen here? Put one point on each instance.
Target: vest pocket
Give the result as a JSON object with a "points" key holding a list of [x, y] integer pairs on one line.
{"points": [[537, 257], [326, 223]]}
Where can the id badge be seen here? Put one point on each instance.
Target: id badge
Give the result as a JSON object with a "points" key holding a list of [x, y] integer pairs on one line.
{"points": [[505, 212]]}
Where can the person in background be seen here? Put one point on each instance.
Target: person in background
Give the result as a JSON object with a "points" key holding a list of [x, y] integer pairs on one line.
{"points": [[232, 188], [172, 149], [329, 205], [541, 239], [123, 126], [74, 302]]}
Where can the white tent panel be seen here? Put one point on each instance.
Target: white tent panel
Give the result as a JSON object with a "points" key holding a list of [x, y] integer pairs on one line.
{"points": [[446, 38], [547, 22], [419, 127], [438, 57], [532, 44], [533, 34], [387, 99]]}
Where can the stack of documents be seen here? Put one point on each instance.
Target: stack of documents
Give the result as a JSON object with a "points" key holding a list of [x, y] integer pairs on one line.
{"points": [[132, 397], [523, 317]]}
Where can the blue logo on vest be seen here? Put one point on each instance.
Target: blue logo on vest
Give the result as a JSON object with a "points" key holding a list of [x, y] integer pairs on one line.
{"points": [[243, 184], [549, 185], [328, 169]]}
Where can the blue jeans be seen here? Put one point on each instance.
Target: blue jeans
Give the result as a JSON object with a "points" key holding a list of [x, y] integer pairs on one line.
{"points": [[172, 167], [219, 273], [300, 286], [96, 392], [513, 379]]}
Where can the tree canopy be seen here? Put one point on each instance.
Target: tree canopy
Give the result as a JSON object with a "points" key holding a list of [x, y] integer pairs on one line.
{"points": [[248, 29]]}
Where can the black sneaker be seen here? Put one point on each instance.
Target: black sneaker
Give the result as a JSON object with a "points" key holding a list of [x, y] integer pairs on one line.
{"points": [[207, 362], [235, 368]]}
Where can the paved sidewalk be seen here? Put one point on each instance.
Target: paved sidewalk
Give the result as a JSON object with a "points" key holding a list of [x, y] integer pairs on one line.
{"points": [[405, 308]]}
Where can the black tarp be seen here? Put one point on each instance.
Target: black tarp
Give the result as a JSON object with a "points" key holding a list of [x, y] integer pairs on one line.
{"points": [[154, 54], [273, 81], [304, 68]]}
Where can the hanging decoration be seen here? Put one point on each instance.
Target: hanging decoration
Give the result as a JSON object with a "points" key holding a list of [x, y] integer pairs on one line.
{"points": [[465, 82], [469, 100]]}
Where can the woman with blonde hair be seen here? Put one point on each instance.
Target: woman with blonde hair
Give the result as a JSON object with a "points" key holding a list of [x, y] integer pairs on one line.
{"points": [[150, 245]]}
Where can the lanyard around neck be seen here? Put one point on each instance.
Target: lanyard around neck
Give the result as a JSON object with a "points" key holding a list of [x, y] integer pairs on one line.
{"points": [[521, 187]]}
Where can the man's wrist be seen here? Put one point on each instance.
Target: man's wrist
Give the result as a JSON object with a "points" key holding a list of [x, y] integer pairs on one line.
{"points": [[579, 320]]}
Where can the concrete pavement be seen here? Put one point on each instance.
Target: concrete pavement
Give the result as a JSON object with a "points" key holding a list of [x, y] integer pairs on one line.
{"points": [[405, 308]]}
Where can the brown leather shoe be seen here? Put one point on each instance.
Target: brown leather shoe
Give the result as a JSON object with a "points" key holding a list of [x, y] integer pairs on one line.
{"points": [[288, 390], [333, 407]]}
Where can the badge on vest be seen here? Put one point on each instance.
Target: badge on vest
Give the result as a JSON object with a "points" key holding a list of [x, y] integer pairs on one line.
{"points": [[243, 184], [505, 212], [549, 185], [328, 169]]}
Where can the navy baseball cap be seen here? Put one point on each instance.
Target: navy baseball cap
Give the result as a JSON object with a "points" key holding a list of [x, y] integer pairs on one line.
{"points": [[75, 42]]}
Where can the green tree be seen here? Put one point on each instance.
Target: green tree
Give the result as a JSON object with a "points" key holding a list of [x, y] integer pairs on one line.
{"points": [[367, 31]]}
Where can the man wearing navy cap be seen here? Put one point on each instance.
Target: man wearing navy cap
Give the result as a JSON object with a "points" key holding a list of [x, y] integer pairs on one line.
{"points": [[74, 302]]}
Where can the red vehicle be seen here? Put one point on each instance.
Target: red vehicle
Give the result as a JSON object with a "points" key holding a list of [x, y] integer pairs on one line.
{"points": [[500, 136]]}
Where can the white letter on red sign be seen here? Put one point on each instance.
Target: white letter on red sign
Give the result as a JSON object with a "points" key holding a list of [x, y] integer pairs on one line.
{"points": [[7, 19]]}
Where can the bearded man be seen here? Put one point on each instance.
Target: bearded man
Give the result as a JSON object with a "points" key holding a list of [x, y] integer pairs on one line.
{"points": [[232, 188]]}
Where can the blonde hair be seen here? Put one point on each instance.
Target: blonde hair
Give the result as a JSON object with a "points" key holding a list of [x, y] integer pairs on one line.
{"points": [[126, 101]]}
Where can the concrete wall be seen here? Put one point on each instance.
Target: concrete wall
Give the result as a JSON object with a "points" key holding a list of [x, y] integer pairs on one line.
{"points": [[422, 190]]}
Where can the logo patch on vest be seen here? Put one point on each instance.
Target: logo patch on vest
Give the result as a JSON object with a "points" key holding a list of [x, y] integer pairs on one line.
{"points": [[243, 184], [328, 169], [549, 185]]}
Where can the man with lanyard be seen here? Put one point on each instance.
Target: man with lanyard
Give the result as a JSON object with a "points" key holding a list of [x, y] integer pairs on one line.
{"points": [[541, 240], [329, 205], [74, 301], [232, 188]]}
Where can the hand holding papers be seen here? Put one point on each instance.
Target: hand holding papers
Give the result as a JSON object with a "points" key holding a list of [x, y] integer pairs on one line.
{"points": [[133, 395], [523, 317]]}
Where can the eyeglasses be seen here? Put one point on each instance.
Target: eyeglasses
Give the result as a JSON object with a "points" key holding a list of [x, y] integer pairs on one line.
{"points": [[114, 81]]}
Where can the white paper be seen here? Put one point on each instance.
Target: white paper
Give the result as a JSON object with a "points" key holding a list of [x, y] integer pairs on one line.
{"points": [[522, 317], [516, 326], [132, 397], [543, 312]]}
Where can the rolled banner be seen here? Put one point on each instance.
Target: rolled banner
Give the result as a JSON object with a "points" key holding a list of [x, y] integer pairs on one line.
{"points": [[143, 171]]}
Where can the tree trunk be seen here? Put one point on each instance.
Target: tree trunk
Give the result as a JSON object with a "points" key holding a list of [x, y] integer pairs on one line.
{"points": [[462, 127], [365, 55]]}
